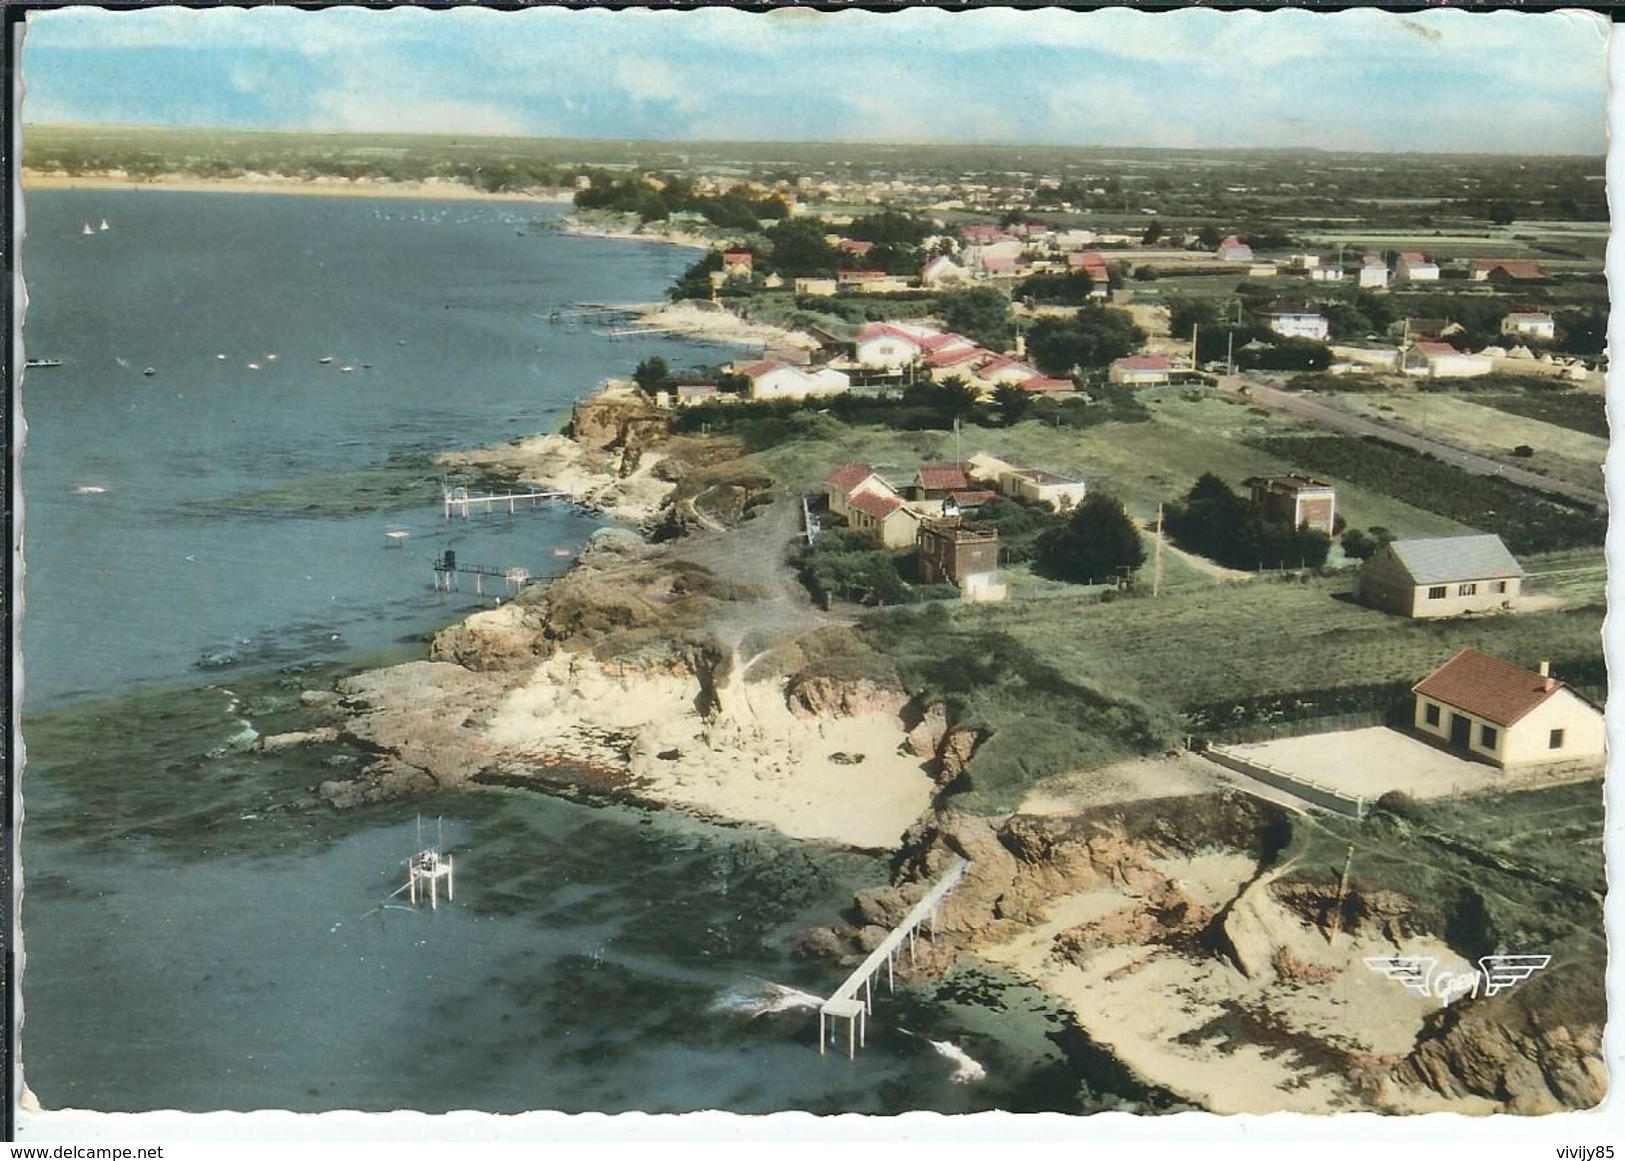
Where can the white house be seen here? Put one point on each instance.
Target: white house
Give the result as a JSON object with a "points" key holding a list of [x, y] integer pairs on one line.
{"points": [[1442, 361], [1413, 266], [1299, 324], [1441, 576], [771, 379], [1325, 274], [1501, 713], [888, 345], [1529, 325], [1373, 273]]}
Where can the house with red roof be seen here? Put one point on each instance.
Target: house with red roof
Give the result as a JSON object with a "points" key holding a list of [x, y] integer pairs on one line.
{"points": [[1233, 249], [854, 247], [1140, 370], [738, 263], [848, 481], [886, 518], [1500, 713], [1000, 371], [1505, 270], [936, 481], [1413, 266]]}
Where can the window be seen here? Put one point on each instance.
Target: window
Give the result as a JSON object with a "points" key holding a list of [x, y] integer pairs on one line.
{"points": [[1555, 742], [1466, 590], [1430, 713], [1487, 736], [1436, 593], [1498, 587]]}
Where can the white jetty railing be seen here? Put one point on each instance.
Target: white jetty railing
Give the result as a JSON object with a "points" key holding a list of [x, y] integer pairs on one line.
{"points": [[844, 1004]]}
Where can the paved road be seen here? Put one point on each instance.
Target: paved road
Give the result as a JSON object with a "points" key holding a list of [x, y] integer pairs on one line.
{"points": [[1329, 413]]}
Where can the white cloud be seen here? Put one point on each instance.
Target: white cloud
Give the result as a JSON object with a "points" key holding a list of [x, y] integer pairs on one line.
{"points": [[363, 112]]}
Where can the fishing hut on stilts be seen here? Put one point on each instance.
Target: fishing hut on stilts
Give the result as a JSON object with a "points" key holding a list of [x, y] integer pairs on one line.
{"points": [[425, 870]]}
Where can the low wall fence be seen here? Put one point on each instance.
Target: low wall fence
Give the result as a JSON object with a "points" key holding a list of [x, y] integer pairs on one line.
{"points": [[1302, 727], [1302, 787]]}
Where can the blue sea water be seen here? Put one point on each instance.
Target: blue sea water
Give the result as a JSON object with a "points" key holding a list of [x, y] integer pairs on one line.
{"points": [[191, 946]]}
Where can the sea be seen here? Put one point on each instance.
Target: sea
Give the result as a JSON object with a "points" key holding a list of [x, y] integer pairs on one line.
{"points": [[250, 393]]}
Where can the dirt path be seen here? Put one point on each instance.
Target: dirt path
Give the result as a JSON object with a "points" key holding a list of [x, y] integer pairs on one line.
{"points": [[1199, 563], [756, 552]]}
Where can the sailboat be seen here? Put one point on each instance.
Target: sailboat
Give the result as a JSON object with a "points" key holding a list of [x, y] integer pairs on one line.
{"points": [[87, 231], [104, 223]]}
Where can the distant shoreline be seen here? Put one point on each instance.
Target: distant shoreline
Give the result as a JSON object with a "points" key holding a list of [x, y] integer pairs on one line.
{"points": [[304, 187]]}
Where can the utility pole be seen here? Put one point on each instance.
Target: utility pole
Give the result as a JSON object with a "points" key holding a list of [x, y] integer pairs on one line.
{"points": [[1156, 568], [1195, 330]]}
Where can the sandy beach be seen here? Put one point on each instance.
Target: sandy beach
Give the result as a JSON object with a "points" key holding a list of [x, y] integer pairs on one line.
{"points": [[262, 183], [843, 780], [1217, 1037]]}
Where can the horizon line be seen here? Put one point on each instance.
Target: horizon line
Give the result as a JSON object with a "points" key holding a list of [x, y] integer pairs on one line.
{"points": [[26, 125]]}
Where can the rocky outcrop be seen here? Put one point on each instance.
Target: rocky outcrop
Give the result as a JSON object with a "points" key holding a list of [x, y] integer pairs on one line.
{"points": [[618, 418], [506, 637], [421, 719], [1534, 1048], [830, 697]]}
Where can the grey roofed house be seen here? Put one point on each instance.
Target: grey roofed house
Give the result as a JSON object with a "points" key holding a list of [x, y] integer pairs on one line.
{"points": [[1456, 558], [1441, 576]]}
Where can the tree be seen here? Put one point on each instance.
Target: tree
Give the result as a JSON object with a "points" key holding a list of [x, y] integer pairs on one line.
{"points": [[653, 374], [800, 251], [1096, 543], [1059, 289], [1153, 235], [981, 313], [1092, 338], [1215, 522], [1013, 403]]}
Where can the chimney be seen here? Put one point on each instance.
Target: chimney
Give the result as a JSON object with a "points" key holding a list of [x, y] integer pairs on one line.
{"points": [[1548, 683]]}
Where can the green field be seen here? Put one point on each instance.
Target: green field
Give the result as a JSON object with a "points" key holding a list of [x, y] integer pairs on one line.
{"points": [[1072, 682], [1526, 521], [1469, 421]]}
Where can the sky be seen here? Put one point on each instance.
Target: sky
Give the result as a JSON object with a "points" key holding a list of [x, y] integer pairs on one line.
{"points": [[1439, 81]]}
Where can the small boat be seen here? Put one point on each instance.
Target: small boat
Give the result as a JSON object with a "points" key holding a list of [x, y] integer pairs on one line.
{"points": [[253, 366], [272, 358], [346, 369], [221, 357], [149, 372], [325, 359], [104, 223], [42, 363]]}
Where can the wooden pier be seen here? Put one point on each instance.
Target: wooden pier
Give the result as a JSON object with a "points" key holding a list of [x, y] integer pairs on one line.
{"points": [[845, 1004], [460, 501], [447, 570]]}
